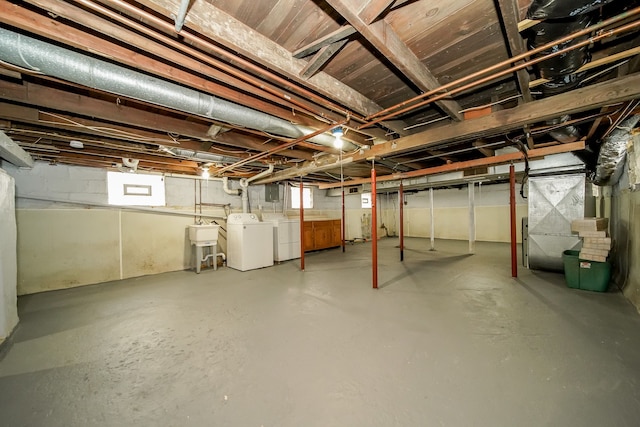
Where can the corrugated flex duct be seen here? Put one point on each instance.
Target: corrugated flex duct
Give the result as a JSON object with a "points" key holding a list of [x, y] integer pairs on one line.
{"points": [[613, 152], [560, 70], [52, 60]]}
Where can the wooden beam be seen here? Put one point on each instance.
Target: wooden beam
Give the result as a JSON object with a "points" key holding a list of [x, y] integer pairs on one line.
{"points": [[487, 152], [527, 23], [321, 58], [335, 36], [584, 99], [44, 26], [56, 99], [508, 11], [578, 100], [469, 164], [372, 10], [211, 21], [13, 153], [383, 37]]}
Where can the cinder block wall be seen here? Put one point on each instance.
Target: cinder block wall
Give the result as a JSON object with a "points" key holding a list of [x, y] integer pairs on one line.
{"points": [[63, 245]]}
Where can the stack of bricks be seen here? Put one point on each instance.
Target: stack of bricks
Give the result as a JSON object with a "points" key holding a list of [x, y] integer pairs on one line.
{"points": [[596, 244]]}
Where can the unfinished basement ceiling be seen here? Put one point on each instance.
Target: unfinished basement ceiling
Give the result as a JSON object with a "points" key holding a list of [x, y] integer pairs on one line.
{"points": [[307, 65]]}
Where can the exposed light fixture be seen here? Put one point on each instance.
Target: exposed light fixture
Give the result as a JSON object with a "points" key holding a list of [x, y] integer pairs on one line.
{"points": [[205, 173], [337, 133], [76, 144], [132, 164]]}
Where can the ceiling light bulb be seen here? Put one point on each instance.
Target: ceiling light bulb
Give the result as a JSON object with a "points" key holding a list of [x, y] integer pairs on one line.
{"points": [[205, 173], [337, 133]]}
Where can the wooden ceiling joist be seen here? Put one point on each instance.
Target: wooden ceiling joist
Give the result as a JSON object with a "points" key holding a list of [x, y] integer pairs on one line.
{"points": [[509, 12], [224, 85], [579, 100], [238, 37], [384, 38], [469, 164], [59, 100], [338, 35], [321, 57], [373, 9]]}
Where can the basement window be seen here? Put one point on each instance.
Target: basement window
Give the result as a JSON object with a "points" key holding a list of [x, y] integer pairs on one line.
{"points": [[132, 189], [307, 198]]}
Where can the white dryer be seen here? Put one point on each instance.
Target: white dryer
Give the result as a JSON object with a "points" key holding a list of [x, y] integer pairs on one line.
{"points": [[249, 242], [286, 236]]}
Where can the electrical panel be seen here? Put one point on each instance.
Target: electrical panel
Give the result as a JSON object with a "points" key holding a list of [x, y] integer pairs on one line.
{"points": [[272, 193]]}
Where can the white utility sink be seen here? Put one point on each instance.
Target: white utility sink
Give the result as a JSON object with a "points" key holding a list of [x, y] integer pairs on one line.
{"points": [[204, 235]]}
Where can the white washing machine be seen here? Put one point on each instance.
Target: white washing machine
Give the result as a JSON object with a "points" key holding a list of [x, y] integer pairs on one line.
{"points": [[286, 236], [249, 242]]}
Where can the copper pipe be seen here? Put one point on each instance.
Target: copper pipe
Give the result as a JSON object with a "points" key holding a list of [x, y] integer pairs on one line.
{"points": [[278, 148], [511, 60], [512, 210], [374, 230], [236, 59], [511, 70], [198, 55]]}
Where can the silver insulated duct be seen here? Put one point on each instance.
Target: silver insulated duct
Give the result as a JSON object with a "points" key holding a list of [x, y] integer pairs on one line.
{"points": [[613, 153], [32, 54]]}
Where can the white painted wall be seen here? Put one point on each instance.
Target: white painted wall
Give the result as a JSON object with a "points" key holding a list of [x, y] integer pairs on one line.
{"points": [[450, 210], [625, 225], [64, 245], [8, 264]]}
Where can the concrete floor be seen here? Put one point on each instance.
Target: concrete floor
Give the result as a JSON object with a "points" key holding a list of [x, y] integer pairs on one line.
{"points": [[449, 340]]}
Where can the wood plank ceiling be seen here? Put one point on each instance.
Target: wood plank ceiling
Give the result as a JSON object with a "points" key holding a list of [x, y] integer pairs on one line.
{"points": [[312, 64]]}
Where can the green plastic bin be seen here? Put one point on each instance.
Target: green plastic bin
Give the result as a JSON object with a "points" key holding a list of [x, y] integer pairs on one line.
{"points": [[584, 274], [594, 276], [571, 268]]}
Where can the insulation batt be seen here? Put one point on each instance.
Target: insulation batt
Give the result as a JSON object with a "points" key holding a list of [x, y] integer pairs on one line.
{"points": [[556, 9], [613, 152]]}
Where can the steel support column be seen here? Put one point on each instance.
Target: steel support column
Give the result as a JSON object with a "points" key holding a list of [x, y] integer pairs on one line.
{"points": [[301, 225], [472, 218], [401, 200], [374, 229], [433, 220], [512, 206]]}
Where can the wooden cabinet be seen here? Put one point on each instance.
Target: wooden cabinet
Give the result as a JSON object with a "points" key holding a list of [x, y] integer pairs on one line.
{"points": [[321, 234]]}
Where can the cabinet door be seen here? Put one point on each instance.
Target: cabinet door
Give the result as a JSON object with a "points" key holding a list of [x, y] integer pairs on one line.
{"points": [[323, 234], [309, 241], [336, 233]]}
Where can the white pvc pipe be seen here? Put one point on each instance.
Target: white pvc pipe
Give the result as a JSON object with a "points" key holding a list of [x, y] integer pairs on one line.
{"points": [[260, 175], [225, 187]]}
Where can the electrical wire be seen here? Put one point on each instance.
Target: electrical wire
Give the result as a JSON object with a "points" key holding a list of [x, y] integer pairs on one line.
{"points": [[106, 130]]}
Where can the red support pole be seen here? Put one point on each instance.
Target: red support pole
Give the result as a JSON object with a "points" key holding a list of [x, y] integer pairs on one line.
{"points": [[301, 226], [342, 231], [512, 205], [401, 197], [374, 229]]}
